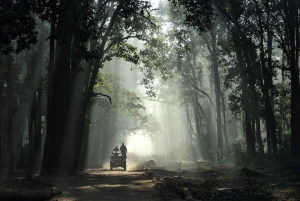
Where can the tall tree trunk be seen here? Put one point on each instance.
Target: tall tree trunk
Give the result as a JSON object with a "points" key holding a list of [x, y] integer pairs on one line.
{"points": [[258, 132], [92, 81], [294, 67], [79, 137], [38, 131], [248, 51], [60, 95], [246, 94], [249, 139], [213, 53], [217, 89], [1, 120], [9, 110], [85, 142], [31, 99], [266, 83], [191, 132], [293, 28], [31, 122], [225, 122], [200, 143], [48, 156]]}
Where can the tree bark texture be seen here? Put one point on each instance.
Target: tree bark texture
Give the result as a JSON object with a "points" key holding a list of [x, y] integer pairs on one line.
{"points": [[59, 92], [213, 53], [9, 112], [293, 57], [49, 157], [1, 121]]}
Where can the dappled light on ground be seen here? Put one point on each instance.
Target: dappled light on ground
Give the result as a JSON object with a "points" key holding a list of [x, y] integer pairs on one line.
{"points": [[194, 180], [99, 184]]}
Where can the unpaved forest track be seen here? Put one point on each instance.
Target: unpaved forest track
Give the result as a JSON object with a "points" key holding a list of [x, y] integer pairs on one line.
{"points": [[105, 185]]}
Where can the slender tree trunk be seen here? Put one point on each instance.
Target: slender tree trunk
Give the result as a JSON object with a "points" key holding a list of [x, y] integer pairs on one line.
{"points": [[206, 140], [31, 124], [31, 106], [297, 55], [85, 143], [249, 139], [200, 147], [199, 138], [225, 122], [92, 82], [217, 89], [191, 132], [1, 120], [246, 44], [293, 28], [258, 132], [38, 131], [9, 129], [246, 94], [266, 83]]}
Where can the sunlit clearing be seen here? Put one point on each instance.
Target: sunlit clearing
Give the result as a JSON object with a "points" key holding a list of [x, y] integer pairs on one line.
{"points": [[139, 144]]}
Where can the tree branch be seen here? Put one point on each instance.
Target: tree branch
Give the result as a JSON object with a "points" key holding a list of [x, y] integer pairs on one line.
{"points": [[140, 37], [201, 91], [156, 100], [147, 17], [101, 94]]}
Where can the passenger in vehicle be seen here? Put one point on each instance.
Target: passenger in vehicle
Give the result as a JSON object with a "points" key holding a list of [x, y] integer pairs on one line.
{"points": [[116, 149]]}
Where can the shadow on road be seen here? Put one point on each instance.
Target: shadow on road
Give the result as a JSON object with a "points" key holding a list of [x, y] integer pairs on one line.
{"points": [[105, 185]]}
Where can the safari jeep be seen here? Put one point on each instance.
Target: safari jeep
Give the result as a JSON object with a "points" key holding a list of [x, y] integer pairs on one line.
{"points": [[117, 160]]}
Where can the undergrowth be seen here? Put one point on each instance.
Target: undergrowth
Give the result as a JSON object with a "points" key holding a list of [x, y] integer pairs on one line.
{"points": [[239, 156]]}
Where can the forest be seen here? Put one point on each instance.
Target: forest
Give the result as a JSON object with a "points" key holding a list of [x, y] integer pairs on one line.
{"points": [[205, 94]]}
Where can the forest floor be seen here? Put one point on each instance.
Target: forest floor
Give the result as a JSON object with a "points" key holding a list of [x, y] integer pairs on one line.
{"points": [[168, 181]]}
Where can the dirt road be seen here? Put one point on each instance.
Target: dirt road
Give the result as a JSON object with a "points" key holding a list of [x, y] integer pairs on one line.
{"points": [[98, 184]]}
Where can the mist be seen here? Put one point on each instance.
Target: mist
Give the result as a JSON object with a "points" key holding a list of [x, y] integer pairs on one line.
{"points": [[194, 89]]}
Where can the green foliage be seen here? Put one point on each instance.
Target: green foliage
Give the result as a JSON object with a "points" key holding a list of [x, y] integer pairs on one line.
{"points": [[238, 152], [282, 112], [198, 14], [123, 50], [241, 158], [136, 23], [132, 7], [132, 115], [17, 23]]}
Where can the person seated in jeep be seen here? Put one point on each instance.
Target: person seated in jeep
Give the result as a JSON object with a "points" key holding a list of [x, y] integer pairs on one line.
{"points": [[123, 149], [116, 149]]}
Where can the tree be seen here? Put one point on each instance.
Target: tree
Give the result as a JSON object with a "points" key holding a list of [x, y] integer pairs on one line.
{"points": [[61, 93], [127, 115], [17, 24]]}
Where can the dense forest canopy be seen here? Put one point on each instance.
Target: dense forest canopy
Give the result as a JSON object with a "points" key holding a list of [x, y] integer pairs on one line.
{"points": [[227, 70]]}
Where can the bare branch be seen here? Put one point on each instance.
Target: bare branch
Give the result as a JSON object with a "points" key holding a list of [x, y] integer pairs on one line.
{"points": [[140, 37], [147, 17], [156, 100], [101, 94], [199, 90], [101, 6]]}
